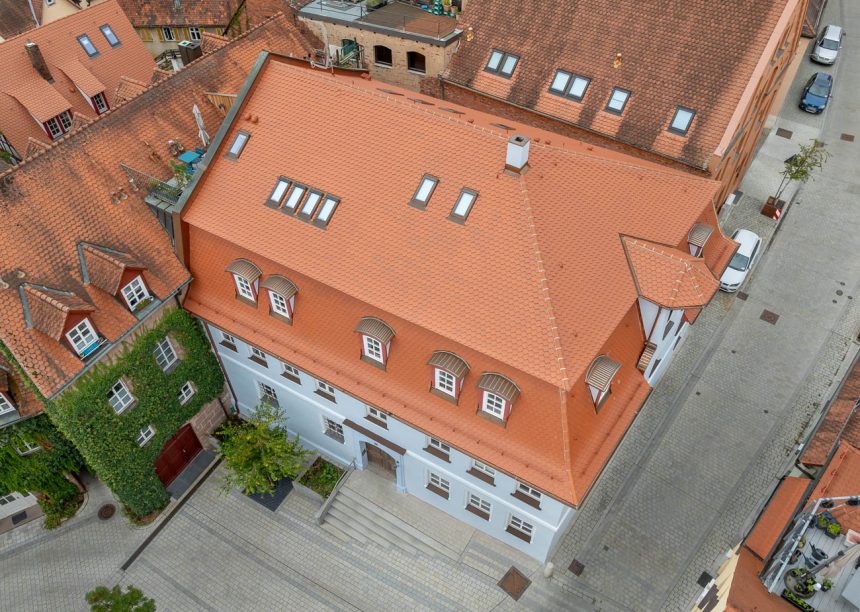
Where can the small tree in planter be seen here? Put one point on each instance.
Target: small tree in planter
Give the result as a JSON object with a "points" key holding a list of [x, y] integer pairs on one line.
{"points": [[800, 166], [259, 452], [103, 599]]}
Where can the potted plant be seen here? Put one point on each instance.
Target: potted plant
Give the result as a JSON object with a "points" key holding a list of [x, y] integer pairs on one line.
{"points": [[821, 522], [833, 530], [826, 584]]}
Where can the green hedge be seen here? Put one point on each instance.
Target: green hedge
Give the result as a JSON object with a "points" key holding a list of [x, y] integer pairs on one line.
{"points": [[108, 440]]}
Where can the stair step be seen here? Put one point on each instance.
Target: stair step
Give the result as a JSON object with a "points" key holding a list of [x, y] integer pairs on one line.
{"points": [[346, 528], [334, 531], [390, 531], [369, 529]]}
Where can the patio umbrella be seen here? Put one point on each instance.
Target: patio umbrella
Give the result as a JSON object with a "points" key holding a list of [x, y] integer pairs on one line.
{"points": [[201, 129], [835, 568]]}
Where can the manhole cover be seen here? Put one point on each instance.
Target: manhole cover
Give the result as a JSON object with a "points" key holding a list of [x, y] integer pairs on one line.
{"points": [[847, 137], [107, 511], [782, 133], [769, 317], [576, 567], [742, 295], [514, 583]]}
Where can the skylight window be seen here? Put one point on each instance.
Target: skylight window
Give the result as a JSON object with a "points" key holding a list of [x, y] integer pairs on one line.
{"points": [[617, 101], [278, 192], [238, 145], [502, 63], [88, 45], [463, 206], [682, 120], [326, 211], [308, 208], [294, 198], [425, 190], [107, 31], [569, 85]]}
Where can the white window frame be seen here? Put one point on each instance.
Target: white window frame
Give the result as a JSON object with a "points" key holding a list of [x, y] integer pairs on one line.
{"points": [[81, 330], [290, 370], [263, 390], [437, 481], [333, 430], [480, 466], [165, 352], [244, 288], [122, 394], [254, 352], [529, 491], [100, 103], [54, 129], [167, 33], [439, 445], [372, 348], [145, 435], [29, 449], [612, 98], [376, 413], [194, 32], [225, 337], [524, 527], [445, 382], [325, 388], [135, 292], [108, 33], [6, 405], [65, 120], [479, 503], [186, 392], [280, 305], [494, 404]]}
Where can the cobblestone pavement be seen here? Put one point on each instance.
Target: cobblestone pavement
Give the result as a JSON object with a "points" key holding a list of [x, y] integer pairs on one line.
{"points": [[706, 451]]}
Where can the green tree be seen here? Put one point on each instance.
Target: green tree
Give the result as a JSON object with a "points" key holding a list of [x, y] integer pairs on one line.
{"points": [[259, 452], [800, 166], [103, 599]]}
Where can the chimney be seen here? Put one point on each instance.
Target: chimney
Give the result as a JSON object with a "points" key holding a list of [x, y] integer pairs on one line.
{"points": [[38, 61], [189, 50], [517, 157]]}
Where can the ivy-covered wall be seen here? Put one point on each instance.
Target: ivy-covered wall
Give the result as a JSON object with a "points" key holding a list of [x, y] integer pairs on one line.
{"points": [[108, 440]]}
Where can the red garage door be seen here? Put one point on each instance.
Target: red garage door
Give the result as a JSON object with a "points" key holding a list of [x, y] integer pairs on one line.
{"points": [[176, 454]]}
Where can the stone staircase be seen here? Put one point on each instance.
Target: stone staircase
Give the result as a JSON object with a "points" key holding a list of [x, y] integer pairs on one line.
{"points": [[354, 518]]}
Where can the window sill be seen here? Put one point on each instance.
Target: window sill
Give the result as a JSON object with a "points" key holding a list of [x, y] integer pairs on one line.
{"points": [[490, 480], [377, 422], [248, 301], [445, 396], [414, 71], [259, 361], [526, 499], [519, 534], [291, 378], [325, 395], [228, 345], [171, 367], [478, 512], [491, 418], [280, 317], [380, 65], [128, 408], [437, 490], [373, 362], [437, 453], [334, 437]]}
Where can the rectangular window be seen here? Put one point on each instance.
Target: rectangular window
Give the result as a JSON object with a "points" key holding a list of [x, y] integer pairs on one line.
{"points": [[244, 288], [293, 199], [65, 121], [278, 192], [438, 485], [28, 448], [135, 292], [527, 490], [238, 144], [83, 338], [333, 430], [88, 45], [382, 55], [113, 41], [186, 392], [681, 121], [569, 85], [280, 305], [479, 466], [258, 356], [120, 397], [519, 528], [290, 372], [377, 416], [268, 394], [99, 103], [194, 32], [325, 390], [6, 404], [167, 33], [502, 63], [493, 404], [463, 206], [617, 101], [228, 341], [480, 507], [53, 127], [310, 205], [145, 435], [326, 211], [373, 348], [446, 382], [424, 191], [165, 356]]}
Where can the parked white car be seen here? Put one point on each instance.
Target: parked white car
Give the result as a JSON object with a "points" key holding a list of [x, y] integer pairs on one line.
{"points": [[827, 45], [742, 261]]}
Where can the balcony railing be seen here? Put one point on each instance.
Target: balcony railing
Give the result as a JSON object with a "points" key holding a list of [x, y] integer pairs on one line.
{"points": [[152, 186]]}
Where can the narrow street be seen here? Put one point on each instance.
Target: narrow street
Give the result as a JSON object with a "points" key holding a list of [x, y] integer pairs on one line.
{"points": [[712, 441]]}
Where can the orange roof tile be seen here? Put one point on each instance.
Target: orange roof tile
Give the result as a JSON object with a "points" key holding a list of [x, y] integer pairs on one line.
{"points": [[82, 78], [39, 98], [841, 478], [667, 276], [780, 509], [747, 592], [181, 12], [840, 422]]}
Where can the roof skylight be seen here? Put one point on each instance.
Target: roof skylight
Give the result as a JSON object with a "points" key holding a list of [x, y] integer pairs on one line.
{"points": [[238, 145], [293, 199], [310, 205], [326, 211], [502, 63], [617, 101], [682, 120], [107, 31], [304, 201], [463, 206], [278, 192], [88, 45], [425, 190], [569, 85]]}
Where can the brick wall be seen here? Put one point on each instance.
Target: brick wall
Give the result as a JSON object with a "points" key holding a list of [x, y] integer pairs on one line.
{"points": [[210, 417]]}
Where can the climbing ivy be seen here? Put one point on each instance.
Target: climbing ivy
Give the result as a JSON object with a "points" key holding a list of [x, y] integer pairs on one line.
{"points": [[108, 441]]}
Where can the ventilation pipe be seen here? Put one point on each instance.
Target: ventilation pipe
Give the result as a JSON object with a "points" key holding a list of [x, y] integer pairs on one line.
{"points": [[517, 157]]}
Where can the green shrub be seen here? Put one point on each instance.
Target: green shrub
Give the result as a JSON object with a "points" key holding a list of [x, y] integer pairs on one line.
{"points": [[103, 599], [834, 529], [797, 601], [321, 477]]}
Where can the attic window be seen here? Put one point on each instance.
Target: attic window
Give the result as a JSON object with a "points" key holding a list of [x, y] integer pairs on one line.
{"points": [[599, 378], [59, 125], [310, 205], [502, 63], [569, 85], [463, 206], [326, 211], [83, 338], [88, 45], [617, 101], [294, 198], [113, 41], [6, 405], [681, 121], [238, 145], [424, 191], [278, 192]]}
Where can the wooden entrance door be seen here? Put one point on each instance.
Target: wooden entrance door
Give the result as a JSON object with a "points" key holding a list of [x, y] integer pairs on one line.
{"points": [[380, 461], [176, 454]]}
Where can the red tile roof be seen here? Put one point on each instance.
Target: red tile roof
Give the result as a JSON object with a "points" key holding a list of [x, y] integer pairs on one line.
{"points": [[143, 13], [841, 478], [698, 54], [16, 17], [24, 93], [840, 422], [780, 510], [70, 194]]}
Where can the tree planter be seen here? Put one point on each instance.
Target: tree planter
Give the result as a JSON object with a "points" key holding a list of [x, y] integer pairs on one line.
{"points": [[272, 501], [771, 206], [321, 477], [309, 493]]}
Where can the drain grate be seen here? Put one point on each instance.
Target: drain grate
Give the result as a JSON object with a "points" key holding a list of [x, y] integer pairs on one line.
{"points": [[576, 567], [783, 133], [743, 296], [514, 583], [847, 137], [769, 317]]}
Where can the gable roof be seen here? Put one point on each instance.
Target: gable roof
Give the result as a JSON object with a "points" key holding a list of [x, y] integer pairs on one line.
{"points": [[25, 94], [148, 13], [46, 308], [697, 54], [75, 192], [16, 17]]}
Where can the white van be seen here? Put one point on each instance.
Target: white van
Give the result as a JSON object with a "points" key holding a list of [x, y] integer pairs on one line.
{"points": [[827, 45]]}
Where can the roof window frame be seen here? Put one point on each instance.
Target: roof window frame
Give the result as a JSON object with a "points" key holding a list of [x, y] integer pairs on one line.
{"points": [[571, 80], [324, 223], [304, 215], [678, 109], [461, 218], [418, 203], [619, 111], [292, 210], [235, 156], [81, 38], [498, 69], [273, 202], [89, 349], [113, 45]]}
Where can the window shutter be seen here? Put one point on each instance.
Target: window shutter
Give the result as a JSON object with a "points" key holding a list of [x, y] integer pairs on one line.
{"points": [[145, 34], [160, 33]]}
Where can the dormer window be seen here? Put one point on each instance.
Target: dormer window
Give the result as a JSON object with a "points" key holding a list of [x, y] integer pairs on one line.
{"points": [[449, 371], [698, 237], [375, 340], [497, 396], [681, 121], [282, 296], [135, 293], [463, 206], [599, 378], [617, 101], [99, 103], [6, 405], [59, 125], [425, 190], [238, 144], [246, 278], [88, 45], [83, 338], [107, 32], [502, 63]]}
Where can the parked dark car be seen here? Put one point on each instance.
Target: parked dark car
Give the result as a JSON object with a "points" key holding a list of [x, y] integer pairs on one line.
{"points": [[816, 93]]}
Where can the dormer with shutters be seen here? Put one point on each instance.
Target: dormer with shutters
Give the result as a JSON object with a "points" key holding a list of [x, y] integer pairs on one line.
{"points": [[282, 297], [449, 372], [117, 273], [246, 278], [63, 316], [375, 336], [599, 379], [496, 397]]}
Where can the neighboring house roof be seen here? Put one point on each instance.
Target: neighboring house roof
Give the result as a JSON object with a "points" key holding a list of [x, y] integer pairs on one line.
{"points": [[26, 97], [841, 478], [781, 508], [16, 17], [149, 13], [71, 209], [535, 280], [697, 54], [840, 422]]}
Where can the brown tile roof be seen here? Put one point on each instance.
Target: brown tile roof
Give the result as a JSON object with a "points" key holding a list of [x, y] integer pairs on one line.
{"points": [[840, 422], [143, 13], [104, 267], [698, 54], [667, 276], [24, 93], [66, 196], [16, 17], [841, 478], [774, 519], [48, 308]]}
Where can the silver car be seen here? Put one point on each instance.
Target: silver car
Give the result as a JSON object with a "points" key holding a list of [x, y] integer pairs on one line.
{"points": [[742, 261], [827, 45]]}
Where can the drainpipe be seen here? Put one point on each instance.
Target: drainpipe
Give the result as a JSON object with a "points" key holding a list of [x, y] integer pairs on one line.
{"points": [[33, 13]]}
